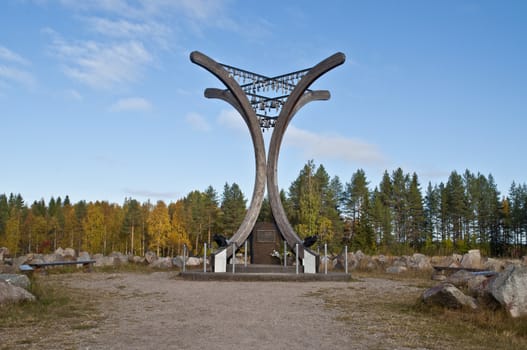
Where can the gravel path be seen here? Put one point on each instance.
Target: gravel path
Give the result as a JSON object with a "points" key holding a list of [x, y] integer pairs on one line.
{"points": [[151, 311], [160, 311]]}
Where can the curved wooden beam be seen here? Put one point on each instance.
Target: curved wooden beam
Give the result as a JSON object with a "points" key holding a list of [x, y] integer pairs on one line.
{"points": [[296, 100], [237, 98]]}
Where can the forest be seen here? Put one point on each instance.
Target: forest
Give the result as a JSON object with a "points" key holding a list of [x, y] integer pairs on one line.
{"points": [[394, 217]]}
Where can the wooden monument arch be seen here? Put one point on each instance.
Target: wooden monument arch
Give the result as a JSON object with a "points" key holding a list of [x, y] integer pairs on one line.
{"points": [[263, 103]]}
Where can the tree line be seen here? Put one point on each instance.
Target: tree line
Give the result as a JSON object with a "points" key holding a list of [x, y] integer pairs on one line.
{"points": [[395, 217]]}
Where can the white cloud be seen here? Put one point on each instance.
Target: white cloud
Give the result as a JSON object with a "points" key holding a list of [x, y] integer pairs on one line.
{"points": [[102, 65], [8, 55], [127, 29], [132, 104], [232, 120], [332, 146], [197, 122], [11, 74], [73, 94]]}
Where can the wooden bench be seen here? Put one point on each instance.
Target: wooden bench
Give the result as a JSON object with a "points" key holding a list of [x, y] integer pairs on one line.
{"points": [[448, 270], [38, 266]]}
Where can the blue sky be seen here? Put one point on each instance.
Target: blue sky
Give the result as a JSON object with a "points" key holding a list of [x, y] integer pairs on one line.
{"points": [[99, 100]]}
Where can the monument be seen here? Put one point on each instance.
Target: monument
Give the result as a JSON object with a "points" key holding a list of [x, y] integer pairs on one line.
{"points": [[266, 102]]}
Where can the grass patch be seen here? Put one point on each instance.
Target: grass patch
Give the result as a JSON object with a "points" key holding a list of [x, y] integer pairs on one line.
{"points": [[57, 309], [402, 320]]}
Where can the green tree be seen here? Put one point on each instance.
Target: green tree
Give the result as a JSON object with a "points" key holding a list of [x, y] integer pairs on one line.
{"points": [[233, 207], [416, 218], [131, 225]]}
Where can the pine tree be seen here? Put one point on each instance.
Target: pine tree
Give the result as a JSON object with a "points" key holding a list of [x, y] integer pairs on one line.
{"points": [[233, 207], [416, 218]]}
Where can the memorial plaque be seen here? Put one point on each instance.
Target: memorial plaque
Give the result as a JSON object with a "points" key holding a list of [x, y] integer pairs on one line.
{"points": [[265, 239]]}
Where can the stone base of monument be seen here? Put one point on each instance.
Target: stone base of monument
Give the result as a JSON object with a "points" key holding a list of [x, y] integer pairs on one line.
{"points": [[261, 275]]}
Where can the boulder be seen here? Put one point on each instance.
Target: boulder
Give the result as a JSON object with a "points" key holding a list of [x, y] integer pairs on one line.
{"points": [[102, 261], [419, 262], [353, 262], [194, 261], [472, 259], [84, 256], [12, 294], [59, 251], [396, 269], [69, 252], [509, 288], [21, 260], [52, 257], [460, 278], [162, 263], [137, 259], [477, 286], [18, 280], [494, 265], [150, 256], [178, 261], [119, 258], [447, 295], [4, 253]]}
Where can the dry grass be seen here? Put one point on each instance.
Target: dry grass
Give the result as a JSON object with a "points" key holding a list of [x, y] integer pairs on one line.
{"points": [[57, 309], [402, 319]]}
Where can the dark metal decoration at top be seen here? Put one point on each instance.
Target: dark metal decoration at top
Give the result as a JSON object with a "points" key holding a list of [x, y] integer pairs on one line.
{"points": [[266, 95]]}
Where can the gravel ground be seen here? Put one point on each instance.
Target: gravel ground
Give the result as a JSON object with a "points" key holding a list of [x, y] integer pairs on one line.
{"points": [[160, 311]]}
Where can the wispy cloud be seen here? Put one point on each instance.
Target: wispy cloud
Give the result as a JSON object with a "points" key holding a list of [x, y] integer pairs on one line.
{"points": [[13, 69], [232, 120], [102, 65], [129, 29], [197, 122], [73, 94], [132, 104], [315, 145], [12, 74], [8, 55], [319, 146]]}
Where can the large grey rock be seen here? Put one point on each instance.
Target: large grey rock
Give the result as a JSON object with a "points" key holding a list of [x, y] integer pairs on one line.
{"points": [[137, 259], [59, 251], [18, 280], [472, 259], [460, 278], [150, 256], [178, 261], [12, 294], [4, 253], [84, 256], [396, 269], [103, 261], [419, 262], [194, 261], [494, 265], [162, 263], [21, 260], [509, 288], [119, 258], [477, 286], [69, 252], [353, 262], [52, 257], [447, 295]]}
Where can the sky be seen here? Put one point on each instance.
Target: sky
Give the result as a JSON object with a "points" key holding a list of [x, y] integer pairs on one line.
{"points": [[99, 99]]}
